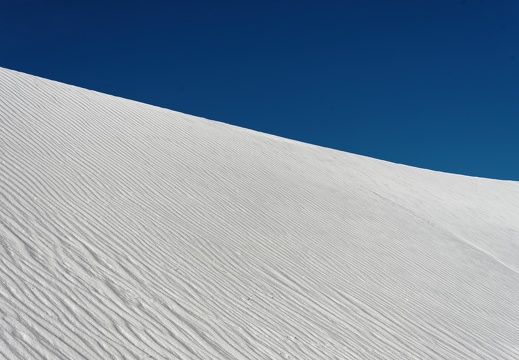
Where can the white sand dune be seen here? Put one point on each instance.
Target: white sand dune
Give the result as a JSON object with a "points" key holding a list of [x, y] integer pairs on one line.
{"points": [[129, 231]]}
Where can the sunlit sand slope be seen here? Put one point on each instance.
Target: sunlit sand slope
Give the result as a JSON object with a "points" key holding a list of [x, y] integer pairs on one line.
{"points": [[129, 231]]}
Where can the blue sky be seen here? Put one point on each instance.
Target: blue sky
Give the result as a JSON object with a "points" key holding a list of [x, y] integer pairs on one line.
{"points": [[433, 84]]}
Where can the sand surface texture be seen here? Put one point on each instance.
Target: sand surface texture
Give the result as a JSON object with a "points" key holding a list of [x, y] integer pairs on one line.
{"points": [[129, 231]]}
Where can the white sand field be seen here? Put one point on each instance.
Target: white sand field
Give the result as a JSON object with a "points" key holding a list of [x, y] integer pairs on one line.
{"points": [[129, 231]]}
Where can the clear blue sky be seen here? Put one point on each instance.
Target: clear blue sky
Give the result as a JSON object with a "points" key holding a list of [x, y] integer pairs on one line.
{"points": [[429, 83]]}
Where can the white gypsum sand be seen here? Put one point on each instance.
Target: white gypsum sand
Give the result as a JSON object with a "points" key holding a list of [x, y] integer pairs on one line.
{"points": [[129, 231]]}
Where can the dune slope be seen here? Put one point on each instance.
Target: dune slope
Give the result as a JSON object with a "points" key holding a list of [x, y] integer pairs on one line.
{"points": [[129, 231]]}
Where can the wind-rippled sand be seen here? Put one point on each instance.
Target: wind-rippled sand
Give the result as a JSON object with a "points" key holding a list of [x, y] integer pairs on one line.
{"points": [[129, 231]]}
